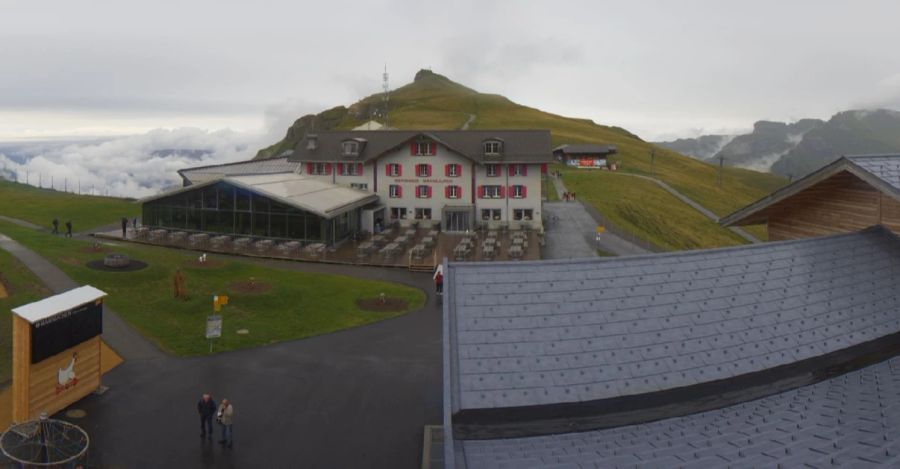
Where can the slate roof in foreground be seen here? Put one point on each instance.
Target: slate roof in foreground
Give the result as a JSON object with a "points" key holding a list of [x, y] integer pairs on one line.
{"points": [[538, 333], [885, 167], [849, 421]]}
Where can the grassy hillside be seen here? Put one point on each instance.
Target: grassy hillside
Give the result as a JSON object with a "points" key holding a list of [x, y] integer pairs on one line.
{"points": [[41, 206], [433, 101], [21, 287]]}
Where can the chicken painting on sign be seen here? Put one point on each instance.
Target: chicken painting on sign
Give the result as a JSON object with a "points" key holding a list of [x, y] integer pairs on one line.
{"points": [[65, 377]]}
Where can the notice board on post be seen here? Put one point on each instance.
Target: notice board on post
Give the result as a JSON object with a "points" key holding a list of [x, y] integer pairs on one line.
{"points": [[56, 351]]}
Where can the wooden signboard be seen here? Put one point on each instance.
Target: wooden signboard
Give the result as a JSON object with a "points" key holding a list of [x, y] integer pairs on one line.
{"points": [[56, 352]]}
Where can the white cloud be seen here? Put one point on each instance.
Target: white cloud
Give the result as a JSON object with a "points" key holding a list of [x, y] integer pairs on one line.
{"points": [[133, 166]]}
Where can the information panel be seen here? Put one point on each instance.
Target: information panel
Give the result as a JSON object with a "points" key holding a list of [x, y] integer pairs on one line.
{"points": [[65, 330]]}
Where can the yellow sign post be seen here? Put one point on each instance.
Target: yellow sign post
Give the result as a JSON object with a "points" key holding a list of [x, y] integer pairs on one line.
{"points": [[600, 229]]}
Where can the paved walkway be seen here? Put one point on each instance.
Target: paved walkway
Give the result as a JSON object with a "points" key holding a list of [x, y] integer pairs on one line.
{"points": [[703, 210], [354, 398], [571, 232]]}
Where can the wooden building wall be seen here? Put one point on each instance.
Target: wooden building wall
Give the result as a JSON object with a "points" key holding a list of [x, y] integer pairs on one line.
{"points": [[840, 204], [35, 386]]}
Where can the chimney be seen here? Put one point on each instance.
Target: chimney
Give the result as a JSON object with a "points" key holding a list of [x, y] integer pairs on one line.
{"points": [[312, 142]]}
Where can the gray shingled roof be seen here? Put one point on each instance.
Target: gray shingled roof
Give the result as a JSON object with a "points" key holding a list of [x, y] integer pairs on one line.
{"points": [[852, 420], [885, 167], [585, 148], [536, 333], [519, 146], [240, 168]]}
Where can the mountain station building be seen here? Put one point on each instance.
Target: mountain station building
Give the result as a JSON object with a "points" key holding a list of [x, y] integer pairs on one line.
{"points": [[338, 183]]}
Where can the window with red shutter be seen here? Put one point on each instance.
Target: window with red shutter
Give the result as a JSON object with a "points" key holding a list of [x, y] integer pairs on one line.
{"points": [[511, 170], [480, 192], [327, 169], [434, 148], [428, 191], [447, 170], [500, 188], [412, 148], [524, 170], [428, 170], [524, 191], [447, 192], [399, 191], [309, 168], [359, 170]]}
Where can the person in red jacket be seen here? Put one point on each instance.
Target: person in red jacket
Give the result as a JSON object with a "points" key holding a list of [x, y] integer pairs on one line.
{"points": [[439, 283]]}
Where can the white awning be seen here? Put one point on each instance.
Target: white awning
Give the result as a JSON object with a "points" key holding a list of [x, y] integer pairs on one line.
{"points": [[48, 307]]}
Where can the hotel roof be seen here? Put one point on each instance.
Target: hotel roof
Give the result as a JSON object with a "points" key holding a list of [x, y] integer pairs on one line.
{"points": [[519, 146]]}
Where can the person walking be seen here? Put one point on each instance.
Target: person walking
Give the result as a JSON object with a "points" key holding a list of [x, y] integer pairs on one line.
{"points": [[439, 283], [55, 224], [134, 223], [68, 228], [124, 227], [225, 417], [206, 407]]}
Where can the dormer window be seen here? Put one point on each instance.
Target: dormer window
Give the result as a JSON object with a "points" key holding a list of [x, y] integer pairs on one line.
{"points": [[350, 148], [493, 147], [422, 148]]}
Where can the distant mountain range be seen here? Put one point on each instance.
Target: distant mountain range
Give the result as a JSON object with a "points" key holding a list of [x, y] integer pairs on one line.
{"points": [[796, 149]]}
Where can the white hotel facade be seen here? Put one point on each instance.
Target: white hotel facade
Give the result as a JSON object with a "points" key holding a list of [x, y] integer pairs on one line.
{"points": [[337, 183]]}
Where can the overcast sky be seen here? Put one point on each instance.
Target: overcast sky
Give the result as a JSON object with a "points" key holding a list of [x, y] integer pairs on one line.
{"points": [[660, 69]]}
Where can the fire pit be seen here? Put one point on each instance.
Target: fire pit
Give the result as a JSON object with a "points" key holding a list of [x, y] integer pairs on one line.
{"points": [[116, 261]]}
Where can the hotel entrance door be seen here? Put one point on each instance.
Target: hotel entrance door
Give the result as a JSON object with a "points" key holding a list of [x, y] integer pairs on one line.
{"points": [[457, 220]]}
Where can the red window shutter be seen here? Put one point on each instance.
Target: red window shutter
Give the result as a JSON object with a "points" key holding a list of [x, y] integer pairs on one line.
{"points": [[412, 148], [418, 170], [544, 168], [308, 168], [359, 169], [399, 170], [447, 192], [459, 170], [340, 168], [399, 191], [434, 148], [512, 191], [524, 191], [327, 169], [524, 170], [458, 192], [428, 191], [428, 170], [512, 170], [387, 170], [480, 192], [501, 191], [447, 170]]}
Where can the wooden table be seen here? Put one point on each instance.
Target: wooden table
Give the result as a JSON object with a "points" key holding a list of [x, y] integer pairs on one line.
{"points": [[289, 248], [428, 241], [365, 248], [158, 235], [263, 245], [198, 240], [487, 250], [461, 250], [390, 250], [380, 239], [401, 240], [433, 233], [419, 250], [220, 242], [515, 251], [315, 249], [410, 232]]}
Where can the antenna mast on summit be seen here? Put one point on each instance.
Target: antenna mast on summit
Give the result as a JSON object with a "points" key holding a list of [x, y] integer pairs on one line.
{"points": [[386, 96]]}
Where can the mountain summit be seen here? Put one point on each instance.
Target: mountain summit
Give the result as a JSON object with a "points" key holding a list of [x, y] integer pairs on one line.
{"points": [[433, 101]]}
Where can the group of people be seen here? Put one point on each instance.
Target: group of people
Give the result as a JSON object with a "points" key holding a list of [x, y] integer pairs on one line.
{"points": [[224, 414], [55, 224], [569, 196]]}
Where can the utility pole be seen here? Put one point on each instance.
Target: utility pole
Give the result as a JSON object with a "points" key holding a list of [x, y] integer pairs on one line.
{"points": [[385, 97], [721, 165], [653, 161]]}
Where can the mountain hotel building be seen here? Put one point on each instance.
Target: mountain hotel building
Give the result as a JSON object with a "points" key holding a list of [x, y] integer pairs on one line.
{"points": [[336, 183]]}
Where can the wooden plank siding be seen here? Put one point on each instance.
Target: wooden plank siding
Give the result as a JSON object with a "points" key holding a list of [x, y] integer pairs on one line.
{"points": [[21, 365], [841, 204]]}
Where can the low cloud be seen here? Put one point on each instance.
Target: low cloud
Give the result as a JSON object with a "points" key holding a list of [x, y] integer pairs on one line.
{"points": [[133, 166]]}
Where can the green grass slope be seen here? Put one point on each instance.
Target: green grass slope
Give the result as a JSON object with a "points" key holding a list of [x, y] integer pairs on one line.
{"points": [[22, 287], [433, 101], [41, 206]]}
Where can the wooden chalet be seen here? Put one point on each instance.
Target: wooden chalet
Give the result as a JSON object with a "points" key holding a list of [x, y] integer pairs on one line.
{"points": [[852, 193]]}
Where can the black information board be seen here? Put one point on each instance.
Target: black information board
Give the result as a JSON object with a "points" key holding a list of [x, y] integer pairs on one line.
{"points": [[65, 330]]}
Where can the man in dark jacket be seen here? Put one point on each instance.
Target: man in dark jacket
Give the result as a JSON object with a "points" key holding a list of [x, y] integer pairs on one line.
{"points": [[206, 408], [124, 227]]}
